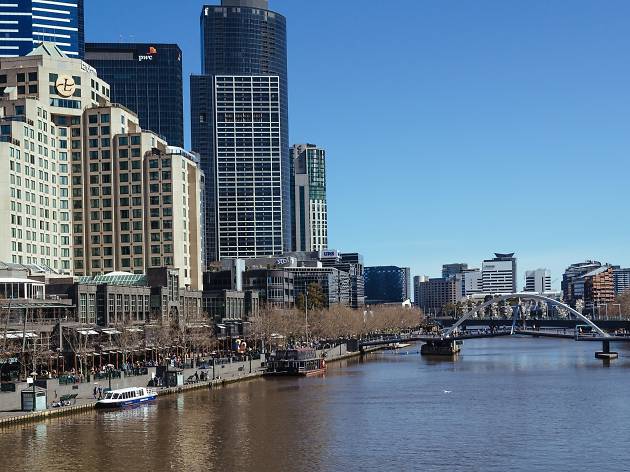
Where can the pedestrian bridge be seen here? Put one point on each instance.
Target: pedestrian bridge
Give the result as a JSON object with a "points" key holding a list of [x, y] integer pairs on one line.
{"points": [[449, 341]]}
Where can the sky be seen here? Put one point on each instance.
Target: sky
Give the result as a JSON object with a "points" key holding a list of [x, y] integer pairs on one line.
{"points": [[453, 129]]}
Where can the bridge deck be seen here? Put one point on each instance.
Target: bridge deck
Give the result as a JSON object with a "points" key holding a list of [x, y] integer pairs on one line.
{"points": [[495, 334]]}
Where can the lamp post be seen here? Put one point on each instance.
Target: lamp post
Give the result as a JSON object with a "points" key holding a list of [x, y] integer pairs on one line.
{"points": [[34, 376]]}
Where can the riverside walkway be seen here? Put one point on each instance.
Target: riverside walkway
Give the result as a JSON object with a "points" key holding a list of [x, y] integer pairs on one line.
{"points": [[10, 402]]}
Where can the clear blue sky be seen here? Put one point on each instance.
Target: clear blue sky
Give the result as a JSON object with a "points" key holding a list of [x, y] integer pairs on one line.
{"points": [[453, 128]]}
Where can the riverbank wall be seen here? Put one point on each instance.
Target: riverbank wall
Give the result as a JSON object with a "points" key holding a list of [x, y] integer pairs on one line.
{"points": [[225, 375]]}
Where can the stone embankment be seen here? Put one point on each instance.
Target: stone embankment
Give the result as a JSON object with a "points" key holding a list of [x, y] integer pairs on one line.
{"points": [[227, 374]]}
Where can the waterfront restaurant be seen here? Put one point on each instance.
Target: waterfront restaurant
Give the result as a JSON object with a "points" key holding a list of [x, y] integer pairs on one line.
{"points": [[16, 288]]}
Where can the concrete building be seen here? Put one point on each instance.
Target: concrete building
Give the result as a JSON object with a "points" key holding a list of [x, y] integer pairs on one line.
{"points": [[240, 128], [471, 282], [451, 270], [499, 274], [417, 280], [434, 294], [335, 284], [27, 23], [123, 298], [599, 290], [263, 287], [84, 190], [387, 284], [146, 78], [622, 280], [538, 281], [310, 211]]}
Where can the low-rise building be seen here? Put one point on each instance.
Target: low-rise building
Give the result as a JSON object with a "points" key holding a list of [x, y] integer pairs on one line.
{"points": [[538, 281]]}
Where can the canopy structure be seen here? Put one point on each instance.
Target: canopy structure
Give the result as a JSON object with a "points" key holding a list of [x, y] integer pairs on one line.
{"points": [[19, 288]]}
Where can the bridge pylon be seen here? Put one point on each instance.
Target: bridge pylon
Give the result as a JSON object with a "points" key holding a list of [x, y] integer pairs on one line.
{"points": [[441, 347]]}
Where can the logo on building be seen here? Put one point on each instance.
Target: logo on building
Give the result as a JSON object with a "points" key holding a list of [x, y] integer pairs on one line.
{"points": [[328, 255], [65, 86], [152, 51], [282, 261]]}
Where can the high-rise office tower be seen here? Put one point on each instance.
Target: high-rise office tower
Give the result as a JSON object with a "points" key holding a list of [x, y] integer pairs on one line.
{"points": [[239, 126], [83, 189], [147, 79], [310, 213], [26, 23], [499, 274]]}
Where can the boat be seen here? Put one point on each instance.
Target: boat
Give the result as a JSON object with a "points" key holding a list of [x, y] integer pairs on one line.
{"points": [[394, 346], [303, 362], [125, 397]]}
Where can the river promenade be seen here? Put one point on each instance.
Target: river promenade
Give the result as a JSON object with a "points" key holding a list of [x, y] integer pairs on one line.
{"points": [[10, 402]]}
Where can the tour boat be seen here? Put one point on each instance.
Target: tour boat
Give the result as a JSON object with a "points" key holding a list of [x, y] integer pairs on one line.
{"points": [[126, 396], [295, 362]]}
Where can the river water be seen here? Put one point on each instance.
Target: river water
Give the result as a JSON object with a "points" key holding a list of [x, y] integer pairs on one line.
{"points": [[505, 404]]}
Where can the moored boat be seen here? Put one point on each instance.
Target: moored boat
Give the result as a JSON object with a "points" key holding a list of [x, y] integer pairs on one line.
{"points": [[295, 362], [125, 397]]}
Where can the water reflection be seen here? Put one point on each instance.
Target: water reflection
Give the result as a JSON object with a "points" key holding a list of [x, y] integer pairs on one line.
{"points": [[508, 404]]}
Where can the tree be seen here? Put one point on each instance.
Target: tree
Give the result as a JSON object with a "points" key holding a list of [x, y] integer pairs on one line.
{"points": [[316, 298], [624, 301]]}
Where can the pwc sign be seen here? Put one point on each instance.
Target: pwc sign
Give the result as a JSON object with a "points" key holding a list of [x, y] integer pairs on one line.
{"points": [[149, 55]]}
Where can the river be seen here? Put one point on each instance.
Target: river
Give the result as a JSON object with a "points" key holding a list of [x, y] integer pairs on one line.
{"points": [[505, 404]]}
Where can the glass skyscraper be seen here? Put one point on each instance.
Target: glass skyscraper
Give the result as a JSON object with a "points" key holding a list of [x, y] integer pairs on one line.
{"points": [[239, 124], [26, 23], [147, 79], [310, 211]]}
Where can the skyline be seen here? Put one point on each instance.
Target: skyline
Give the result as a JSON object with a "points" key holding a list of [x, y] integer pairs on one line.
{"points": [[456, 65]]}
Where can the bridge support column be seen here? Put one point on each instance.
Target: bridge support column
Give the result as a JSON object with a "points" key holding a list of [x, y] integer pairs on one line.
{"points": [[442, 347], [605, 353]]}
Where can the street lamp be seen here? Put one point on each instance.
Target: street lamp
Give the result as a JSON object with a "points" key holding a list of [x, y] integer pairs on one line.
{"points": [[109, 368], [34, 376]]}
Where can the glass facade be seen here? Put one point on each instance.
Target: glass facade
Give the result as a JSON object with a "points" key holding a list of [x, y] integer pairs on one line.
{"points": [[248, 156], [242, 38], [26, 23], [147, 79], [310, 217]]}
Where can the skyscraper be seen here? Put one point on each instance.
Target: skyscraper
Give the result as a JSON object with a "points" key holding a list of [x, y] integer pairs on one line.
{"points": [[147, 79], [26, 23], [239, 125], [310, 211]]}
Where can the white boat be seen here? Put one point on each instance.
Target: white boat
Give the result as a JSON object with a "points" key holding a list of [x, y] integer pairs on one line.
{"points": [[126, 396]]}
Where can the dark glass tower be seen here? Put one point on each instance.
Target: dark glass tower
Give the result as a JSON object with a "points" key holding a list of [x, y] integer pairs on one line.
{"points": [[26, 23], [147, 79], [239, 124]]}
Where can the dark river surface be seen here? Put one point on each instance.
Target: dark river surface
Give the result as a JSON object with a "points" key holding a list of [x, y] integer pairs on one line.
{"points": [[505, 404]]}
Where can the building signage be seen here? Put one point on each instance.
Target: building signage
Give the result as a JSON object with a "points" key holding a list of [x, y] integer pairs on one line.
{"points": [[65, 86], [10, 360], [282, 261], [88, 68], [328, 255], [149, 55]]}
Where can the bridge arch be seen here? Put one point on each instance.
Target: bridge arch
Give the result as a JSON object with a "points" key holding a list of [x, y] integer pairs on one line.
{"points": [[527, 296]]}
